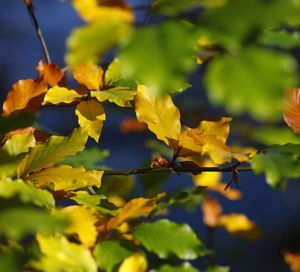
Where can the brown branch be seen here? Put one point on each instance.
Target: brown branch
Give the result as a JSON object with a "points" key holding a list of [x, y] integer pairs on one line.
{"points": [[38, 30], [176, 169]]}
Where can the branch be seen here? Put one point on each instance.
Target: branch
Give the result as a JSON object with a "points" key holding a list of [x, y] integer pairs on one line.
{"points": [[30, 10], [175, 169]]}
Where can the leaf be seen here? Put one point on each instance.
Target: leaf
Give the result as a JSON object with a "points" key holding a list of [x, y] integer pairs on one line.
{"points": [[16, 223], [55, 149], [111, 11], [118, 95], [291, 112], [64, 177], [238, 86], [282, 39], [19, 143], [185, 267], [90, 117], [26, 192], [240, 225], [212, 210], [129, 125], [83, 43], [109, 254], [166, 238], [59, 254], [83, 220], [57, 95], [217, 269], [293, 260], [88, 158], [9, 164], [13, 262], [147, 49], [159, 113], [89, 74], [113, 72], [279, 163], [134, 263], [135, 208], [51, 73], [25, 94]]}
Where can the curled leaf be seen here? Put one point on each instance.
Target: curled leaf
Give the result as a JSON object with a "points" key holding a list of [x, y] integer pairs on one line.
{"points": [[51, 73]]}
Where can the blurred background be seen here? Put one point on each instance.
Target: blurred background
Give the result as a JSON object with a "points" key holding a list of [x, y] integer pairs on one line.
{"points": [[276, 212]]}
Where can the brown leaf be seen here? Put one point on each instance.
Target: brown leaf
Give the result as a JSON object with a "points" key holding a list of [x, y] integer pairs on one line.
{"points": [[132, 125], [291, 111], [212, 211], [293, 260], [25, 94], [51, 73]]}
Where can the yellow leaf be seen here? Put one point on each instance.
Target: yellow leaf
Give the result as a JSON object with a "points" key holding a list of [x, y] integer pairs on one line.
{"points": [[159, 113], [240, 225], [134, 263], [57, 95], [242, 154], [111, 10], [64, 177], [91, 116], [58, 254], [118, 95], [135, 208], [83, 220], [89, 74], [55, 149]]}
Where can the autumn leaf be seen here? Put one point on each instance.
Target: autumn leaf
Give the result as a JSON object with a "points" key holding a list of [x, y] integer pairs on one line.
{"points": [[291, 111], [293, 260], [64, 177], [55, 149], [212, 210], [83, 220], [39, 136], [118, 95], [240, 225], [90, 117], [111, 10], [51, 73], [134, 263], [132, 125], [89, 74], [159, 113], [25, 95], [57, 95], [135, 208]]}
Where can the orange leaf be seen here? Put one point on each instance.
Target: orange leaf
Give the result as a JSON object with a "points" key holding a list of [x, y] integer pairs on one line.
{"points": [[291, 112], [212, 211], [25, 94], [293, 260], [51, 73], [132, 125]]}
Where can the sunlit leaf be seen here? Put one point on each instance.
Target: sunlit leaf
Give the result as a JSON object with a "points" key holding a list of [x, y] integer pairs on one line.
{"points": [[61, 255], [51, 73], [109, 254], [64, 177], [283, 39], [55, 149], [293, 260], [82, 223], [240, 225], [25, 94], [111, 10], [83, 43], [90, 117], [146, 49], [185, 267], [159, 113], [113, 72], [166, 238], [26, 192], [134, 263], [291, 112], [212, 210], [118, 95], [57, 95]]}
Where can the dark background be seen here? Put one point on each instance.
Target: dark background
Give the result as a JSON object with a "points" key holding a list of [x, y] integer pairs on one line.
{"points": [[276, 212]]}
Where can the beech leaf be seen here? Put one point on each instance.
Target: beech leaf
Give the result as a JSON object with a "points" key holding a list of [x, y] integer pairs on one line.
{"points": [[51, 73], [185, 267], [134, 263], [57, 95], [291, 112]]}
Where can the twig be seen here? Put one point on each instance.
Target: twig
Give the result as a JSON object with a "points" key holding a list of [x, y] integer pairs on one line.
{"points": [[34, 20]]}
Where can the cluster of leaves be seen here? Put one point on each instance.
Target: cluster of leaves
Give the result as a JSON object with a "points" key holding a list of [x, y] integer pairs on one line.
{"points": [[56, 215]]}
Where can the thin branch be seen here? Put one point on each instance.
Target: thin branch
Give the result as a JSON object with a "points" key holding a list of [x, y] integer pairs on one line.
{"points": [[34, 20], [176, 169]]}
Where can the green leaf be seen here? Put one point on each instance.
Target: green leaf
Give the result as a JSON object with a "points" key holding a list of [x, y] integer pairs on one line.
{"points": [[88, 158], [109, 254], [55, 149], [92, 41], [279, 163], [252, 81], [12, 262], [8, 164], [185, 267], [218, 269], [282, 39], [166, 238], [16, 223], [169, 47], [119, 185], [275, 135], [27, 192]]}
